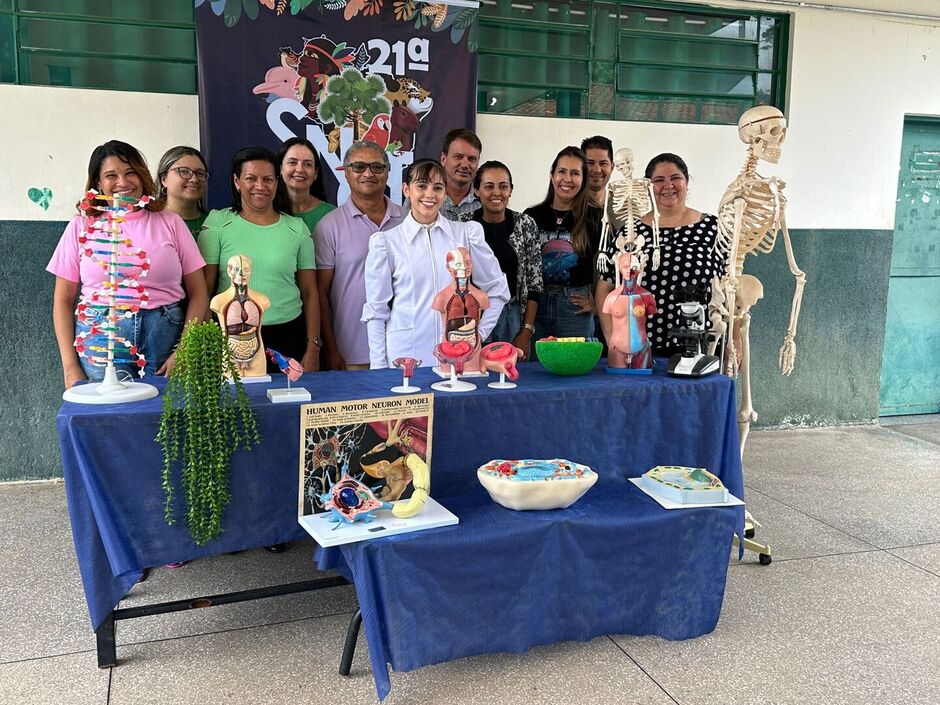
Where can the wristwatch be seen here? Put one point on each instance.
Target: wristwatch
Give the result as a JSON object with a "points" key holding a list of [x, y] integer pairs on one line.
{"points": [[318, 341], [529, 327]]}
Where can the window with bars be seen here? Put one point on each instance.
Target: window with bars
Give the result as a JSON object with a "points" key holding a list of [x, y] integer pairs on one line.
{"points": [[133, 45], [661, 62]]}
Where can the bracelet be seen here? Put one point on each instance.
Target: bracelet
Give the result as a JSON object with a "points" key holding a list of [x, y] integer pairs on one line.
{"points": [[318, 341], [529, 327]]}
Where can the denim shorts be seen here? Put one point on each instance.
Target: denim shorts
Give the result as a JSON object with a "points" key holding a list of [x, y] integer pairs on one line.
{"points": [[507, 325], [557, 316], [154, 331]]}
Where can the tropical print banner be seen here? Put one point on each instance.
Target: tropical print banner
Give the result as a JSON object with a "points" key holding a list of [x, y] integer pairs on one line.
{"points": [[398, 72]]}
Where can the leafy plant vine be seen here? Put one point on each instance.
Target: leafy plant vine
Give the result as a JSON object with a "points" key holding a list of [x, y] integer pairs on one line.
{"points": [[205, 420]]}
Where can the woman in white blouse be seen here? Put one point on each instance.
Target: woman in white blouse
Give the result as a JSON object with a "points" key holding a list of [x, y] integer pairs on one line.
{"points": [[406, 267]]}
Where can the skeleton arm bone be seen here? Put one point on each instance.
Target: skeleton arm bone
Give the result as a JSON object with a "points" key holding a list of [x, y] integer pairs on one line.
{"points": [[655, 225], [788, 350]]}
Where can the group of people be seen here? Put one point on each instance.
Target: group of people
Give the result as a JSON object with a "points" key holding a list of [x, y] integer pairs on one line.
{"points": [[352, 287]]}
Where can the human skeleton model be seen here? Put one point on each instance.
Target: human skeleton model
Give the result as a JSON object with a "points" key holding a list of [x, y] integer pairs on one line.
{"points": [[239, 310], [628, 306], [627, 200], [751, 213], [461, 304]]}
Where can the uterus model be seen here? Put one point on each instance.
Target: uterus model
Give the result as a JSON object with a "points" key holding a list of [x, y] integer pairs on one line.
{"points": [[627, 199], [239, 310], [751, 214], [407, 366], [501, 358], [461, 305], [120, 295], [629, 305]]}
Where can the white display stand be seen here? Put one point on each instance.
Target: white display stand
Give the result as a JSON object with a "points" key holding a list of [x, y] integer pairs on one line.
{"points": [[502, 384], [288, 394], [666, 503], [406, 387], [252, 380], [328, 533], [110, 391]]}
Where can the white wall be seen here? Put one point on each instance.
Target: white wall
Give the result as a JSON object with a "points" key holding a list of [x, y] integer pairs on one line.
{"points": [[49, 133], [853, 77]]}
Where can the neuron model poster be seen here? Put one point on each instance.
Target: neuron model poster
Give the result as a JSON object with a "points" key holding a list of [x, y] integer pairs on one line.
{"points": [[368, 439]]}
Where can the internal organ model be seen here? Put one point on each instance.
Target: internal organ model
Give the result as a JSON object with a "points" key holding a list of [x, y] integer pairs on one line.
{"points": [[629, 305], [501, 359], [461, 305], [627, 200], [288, 365], [239, 311], [751, 213], [120, 294]]}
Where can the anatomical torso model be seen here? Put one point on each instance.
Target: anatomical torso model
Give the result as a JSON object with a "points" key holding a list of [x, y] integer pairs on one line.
{"points": [[239, 311], [461, 305], [629, 305]]}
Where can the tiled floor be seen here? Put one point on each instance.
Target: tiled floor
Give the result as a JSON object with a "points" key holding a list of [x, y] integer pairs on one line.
{"points": [[847, 613]]}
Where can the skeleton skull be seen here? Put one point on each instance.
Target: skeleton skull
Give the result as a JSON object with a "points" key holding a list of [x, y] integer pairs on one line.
{"points": [[458, 263], [239, 270], [765, 128], [623, 162]]}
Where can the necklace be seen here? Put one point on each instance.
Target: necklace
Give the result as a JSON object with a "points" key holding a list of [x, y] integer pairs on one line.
{"points": [[559, 219]]}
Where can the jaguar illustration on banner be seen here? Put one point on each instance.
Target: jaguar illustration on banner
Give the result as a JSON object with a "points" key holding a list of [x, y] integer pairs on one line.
{"points": [[397, 72]]}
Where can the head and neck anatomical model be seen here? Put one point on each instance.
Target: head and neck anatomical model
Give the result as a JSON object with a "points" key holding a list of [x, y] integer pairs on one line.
{"points": [[461, 305], [239, 311], [751, 214], [627, 199]]}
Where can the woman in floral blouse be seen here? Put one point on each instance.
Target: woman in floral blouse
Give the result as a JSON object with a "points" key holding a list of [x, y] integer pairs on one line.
{"points": [[514, 239]]}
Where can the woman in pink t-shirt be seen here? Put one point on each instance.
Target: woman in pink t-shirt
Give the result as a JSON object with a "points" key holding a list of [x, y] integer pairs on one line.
{"points": [[175, 269]]}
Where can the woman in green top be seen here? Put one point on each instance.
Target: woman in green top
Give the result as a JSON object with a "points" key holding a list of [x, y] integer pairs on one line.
{"points": [[181, 181], [259, 226], [298, 168]]}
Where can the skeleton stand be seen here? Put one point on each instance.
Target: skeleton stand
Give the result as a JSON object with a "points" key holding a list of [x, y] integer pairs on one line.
{"points": [[751, 213]]}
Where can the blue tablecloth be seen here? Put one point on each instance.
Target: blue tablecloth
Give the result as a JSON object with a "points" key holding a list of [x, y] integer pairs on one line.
{"points": [[613, 563], [618, 425]]}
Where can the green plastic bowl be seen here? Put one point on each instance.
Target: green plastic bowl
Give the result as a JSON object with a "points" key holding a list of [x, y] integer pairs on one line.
{"points": [[568, 358]]}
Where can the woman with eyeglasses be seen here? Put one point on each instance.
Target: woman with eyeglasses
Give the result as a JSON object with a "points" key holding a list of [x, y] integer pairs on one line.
{"points": [[260, 226], [298, 167], [181, 183], [117, 168], [406, 268]]}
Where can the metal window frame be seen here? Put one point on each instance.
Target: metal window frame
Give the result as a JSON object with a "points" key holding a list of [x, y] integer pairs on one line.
{"points": [[778, 73], [21, 53]]}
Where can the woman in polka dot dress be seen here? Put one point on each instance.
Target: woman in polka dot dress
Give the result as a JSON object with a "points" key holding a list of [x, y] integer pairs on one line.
{"points": [[688, 260]]}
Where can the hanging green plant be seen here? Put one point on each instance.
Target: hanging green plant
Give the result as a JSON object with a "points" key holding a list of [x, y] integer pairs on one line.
{"points": [[205, 420]]}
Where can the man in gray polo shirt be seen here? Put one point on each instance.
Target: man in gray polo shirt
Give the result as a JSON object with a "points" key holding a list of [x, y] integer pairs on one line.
{"points": [[460, 157], [342, 243]]}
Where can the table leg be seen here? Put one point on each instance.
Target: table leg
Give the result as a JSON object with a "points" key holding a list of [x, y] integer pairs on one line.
{"points": [[107, 647], [349, 648]]}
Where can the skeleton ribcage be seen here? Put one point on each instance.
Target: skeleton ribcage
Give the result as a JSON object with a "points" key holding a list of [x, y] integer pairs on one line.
{"points": [[760, 222]]}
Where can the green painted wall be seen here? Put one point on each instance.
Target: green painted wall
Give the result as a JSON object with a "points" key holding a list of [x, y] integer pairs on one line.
{"points": [[840, 336], [31, 373], [836, 380]]}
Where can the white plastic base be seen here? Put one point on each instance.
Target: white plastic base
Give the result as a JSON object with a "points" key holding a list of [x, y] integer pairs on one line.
{"points": [[406, 389], [453, 386], [291, 394], [100, 393], [502, 384], [252, 380]]}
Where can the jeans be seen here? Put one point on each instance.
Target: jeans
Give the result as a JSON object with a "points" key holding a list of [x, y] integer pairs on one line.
{"points": [[507, 325], [155, 332], [558, 316]]}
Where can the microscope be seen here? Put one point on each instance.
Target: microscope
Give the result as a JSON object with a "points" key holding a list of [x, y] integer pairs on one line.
{"points": [[693, 337]]}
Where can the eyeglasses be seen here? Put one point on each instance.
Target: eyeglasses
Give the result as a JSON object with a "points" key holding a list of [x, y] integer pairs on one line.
{"points": [[186, 173], [374, 167]]}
